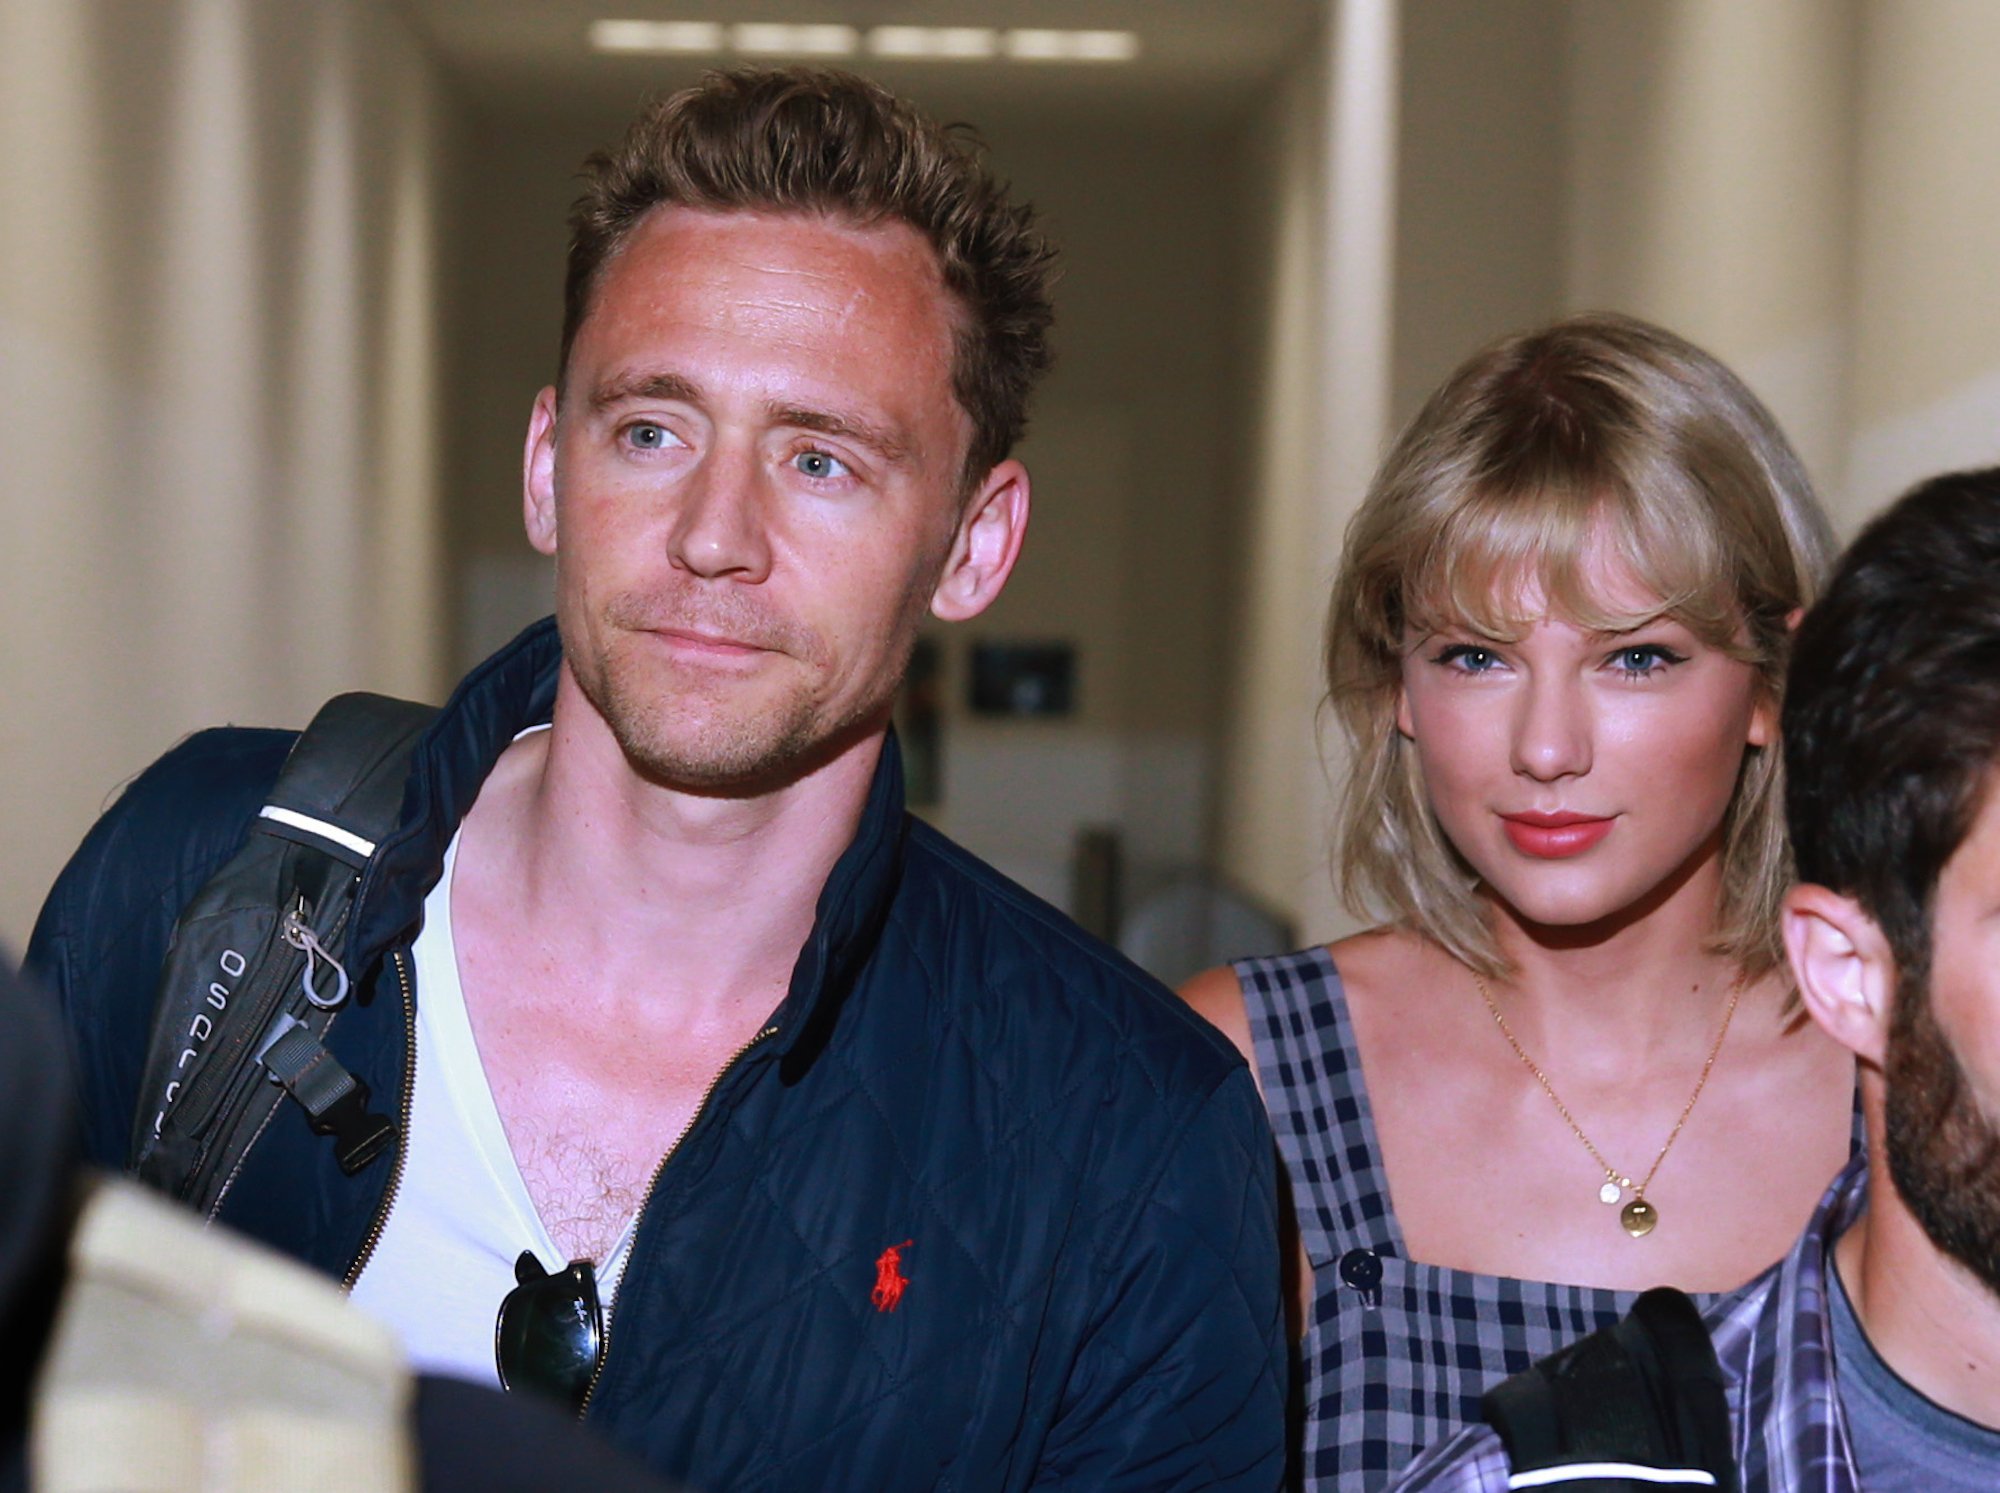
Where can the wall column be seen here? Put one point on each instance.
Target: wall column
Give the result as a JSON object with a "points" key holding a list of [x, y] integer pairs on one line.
{"points": [[1711, 191], [1323, 272], [1927, 348], [1365, 86], [208, 449]]}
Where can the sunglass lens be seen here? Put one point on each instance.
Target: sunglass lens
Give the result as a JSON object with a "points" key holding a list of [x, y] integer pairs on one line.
{"points": [[550, 1331]]}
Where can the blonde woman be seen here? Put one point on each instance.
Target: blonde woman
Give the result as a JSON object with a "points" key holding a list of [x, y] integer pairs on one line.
{"points": [[1566, 1067]]}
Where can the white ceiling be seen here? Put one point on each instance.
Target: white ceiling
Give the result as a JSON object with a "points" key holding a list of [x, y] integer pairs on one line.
{"points": [[1203, 58]]}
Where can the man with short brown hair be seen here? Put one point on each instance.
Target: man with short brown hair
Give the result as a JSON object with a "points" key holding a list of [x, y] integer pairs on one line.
{"points": [[788, 1143]]}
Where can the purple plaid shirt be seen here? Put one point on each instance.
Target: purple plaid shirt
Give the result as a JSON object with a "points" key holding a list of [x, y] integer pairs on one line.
{"points": [[1775, 1342]]}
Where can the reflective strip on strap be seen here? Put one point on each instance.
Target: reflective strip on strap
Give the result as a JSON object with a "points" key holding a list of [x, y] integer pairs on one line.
{"points": [[1576, 1472], [345, 838]]}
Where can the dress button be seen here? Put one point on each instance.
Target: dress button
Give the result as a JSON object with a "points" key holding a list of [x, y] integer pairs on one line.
{"points": [[1362, 1269]]}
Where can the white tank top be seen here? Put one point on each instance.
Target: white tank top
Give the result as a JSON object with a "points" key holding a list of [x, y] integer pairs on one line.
{"points": [[462, 1214]]}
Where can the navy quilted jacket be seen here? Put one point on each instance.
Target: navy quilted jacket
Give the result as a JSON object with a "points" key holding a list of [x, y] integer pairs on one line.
{"points": [[1081, 1169]]}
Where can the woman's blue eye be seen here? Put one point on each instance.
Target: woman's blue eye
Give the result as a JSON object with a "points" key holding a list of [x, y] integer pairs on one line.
{"points": [[1646, 658], [818, 465], [1468, 659]]}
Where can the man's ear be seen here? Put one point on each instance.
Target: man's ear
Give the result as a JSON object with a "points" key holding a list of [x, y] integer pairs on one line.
{"points": [[1763, 720], [1845, 971], [985, 545], [1764, 716], [538, 474]]}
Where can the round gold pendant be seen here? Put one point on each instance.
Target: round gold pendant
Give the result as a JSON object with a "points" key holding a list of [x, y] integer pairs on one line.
{"points": [[1639, 1217], [1609, 1193]]}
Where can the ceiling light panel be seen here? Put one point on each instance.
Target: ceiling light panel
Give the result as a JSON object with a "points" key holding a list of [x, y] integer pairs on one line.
{"points": [[913, 43], [658, 36], [783, 39], [935, 43], [1046, 45]]}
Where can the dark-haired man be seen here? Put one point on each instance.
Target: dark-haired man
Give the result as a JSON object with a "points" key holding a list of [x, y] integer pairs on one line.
{"points": [[1869, 1358], [872, 1171]]}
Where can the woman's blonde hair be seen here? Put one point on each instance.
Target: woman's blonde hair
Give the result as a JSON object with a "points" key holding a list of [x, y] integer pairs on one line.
{"points": [[1600, 435]]}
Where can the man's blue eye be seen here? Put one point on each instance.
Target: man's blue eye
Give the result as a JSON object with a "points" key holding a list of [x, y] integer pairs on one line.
{"points": [[818, 465], [647, 437]]}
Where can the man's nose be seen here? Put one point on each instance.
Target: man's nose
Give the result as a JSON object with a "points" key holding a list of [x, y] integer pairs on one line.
{"points": [[721, 526], [1552, 729]]}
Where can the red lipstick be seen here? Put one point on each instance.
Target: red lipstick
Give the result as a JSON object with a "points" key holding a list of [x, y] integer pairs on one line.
{"points": [[1555, 836]]}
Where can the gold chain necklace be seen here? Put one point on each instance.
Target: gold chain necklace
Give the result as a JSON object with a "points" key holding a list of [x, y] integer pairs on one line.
{"points": [[1638, 1217]]}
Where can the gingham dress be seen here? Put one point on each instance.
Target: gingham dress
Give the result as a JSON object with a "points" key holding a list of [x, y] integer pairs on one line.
{"points": [[1397, 1352], [1774, 1342]]}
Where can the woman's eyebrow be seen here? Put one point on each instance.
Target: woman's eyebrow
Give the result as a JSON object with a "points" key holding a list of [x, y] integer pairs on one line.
{"points": [[1655, 619]]}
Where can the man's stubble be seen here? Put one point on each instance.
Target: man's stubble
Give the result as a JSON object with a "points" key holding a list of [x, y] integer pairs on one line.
{"points": [[1944, 1149], [727, 736]]}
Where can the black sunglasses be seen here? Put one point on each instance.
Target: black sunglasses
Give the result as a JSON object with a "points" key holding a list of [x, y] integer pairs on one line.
{"points": [[549, 1337]]}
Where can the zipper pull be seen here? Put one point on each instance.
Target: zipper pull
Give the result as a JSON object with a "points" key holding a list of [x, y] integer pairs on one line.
{"points": [[302, 938]]}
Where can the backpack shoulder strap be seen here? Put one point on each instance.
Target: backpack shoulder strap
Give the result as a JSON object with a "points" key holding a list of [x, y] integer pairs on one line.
{"points": [[1634, 1405], [256, 969], [341, 788]]}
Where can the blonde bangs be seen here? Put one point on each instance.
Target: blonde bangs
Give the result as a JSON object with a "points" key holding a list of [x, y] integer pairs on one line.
{"points": [[1501, 560]]}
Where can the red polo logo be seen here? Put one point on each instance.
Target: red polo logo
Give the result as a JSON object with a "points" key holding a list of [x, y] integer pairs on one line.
{"points": [[889, 1278]]}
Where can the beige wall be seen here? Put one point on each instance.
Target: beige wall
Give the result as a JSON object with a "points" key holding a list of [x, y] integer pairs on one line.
{"points": [[1926, 392], [1480, 198], [217, 398], [1263, 842], [1711, 152], [1130, 445]]}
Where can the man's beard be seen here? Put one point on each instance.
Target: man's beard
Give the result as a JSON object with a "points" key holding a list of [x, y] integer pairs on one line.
{"points": [[726, 736], [1944, 1150], [711, 754]]}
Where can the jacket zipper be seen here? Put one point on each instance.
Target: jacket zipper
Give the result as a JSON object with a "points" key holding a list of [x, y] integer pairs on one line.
{"points": [[645, 1202], [401, 959]]}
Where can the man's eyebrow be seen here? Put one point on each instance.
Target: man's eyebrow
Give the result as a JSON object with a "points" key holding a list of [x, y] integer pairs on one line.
{"points": [[885, 442], [644, 386]]}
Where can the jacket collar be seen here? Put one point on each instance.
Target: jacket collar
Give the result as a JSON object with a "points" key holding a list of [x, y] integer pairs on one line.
{"points": [[848, 918], [516, 689]]}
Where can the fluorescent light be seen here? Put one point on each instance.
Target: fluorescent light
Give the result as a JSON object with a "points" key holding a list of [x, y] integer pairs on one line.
{"points": [[657, 36], [783, 39], [1039, 45], [923, 43], [949, 43]]}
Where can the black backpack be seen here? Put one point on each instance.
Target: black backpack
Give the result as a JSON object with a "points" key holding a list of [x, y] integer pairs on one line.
{"points": [[256, 970], [1632, 1407]]}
